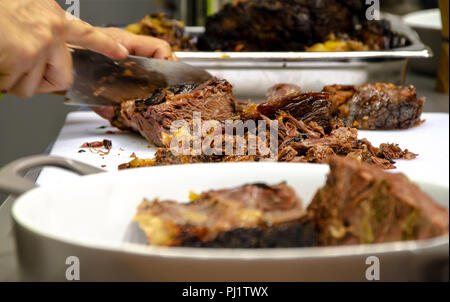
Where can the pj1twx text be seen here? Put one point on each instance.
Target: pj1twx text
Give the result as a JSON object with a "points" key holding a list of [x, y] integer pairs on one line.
{"points": [[231, 292]]}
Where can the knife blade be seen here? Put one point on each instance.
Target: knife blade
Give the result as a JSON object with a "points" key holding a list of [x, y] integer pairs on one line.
{"points": [[101, 81]]}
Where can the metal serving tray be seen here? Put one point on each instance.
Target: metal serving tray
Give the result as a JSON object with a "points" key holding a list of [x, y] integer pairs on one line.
{"points": [[252, 73]]}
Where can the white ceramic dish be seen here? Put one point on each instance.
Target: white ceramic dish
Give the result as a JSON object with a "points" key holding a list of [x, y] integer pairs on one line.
{"points": [[89, 218]]}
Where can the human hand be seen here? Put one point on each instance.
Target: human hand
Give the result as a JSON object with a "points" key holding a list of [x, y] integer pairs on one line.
{"points": [[34, 57]]}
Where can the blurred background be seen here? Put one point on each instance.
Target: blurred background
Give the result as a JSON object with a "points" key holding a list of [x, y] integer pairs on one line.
{"points": [[29, 126]]}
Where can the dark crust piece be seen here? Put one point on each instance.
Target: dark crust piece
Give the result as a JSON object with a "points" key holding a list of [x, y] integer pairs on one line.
{"points": [[294, 234], [378, 35], [305, 107], [376, 106], [363, 204], [250, 216]]}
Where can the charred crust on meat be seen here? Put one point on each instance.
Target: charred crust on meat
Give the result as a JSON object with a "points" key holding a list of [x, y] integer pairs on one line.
{"points": [[376, 106], [288, 235]]}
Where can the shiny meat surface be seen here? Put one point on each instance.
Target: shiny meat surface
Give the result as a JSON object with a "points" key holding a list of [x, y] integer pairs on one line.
{"points": [[364, 204]]}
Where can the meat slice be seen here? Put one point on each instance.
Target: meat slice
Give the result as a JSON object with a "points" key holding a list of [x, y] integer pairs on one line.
{"points": [[376, 106], [363, 204], [305, 107], [250, 216], [153, 117]]}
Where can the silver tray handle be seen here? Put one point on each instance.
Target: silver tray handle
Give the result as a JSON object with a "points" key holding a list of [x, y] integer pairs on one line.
{"points": [[12, 180]]}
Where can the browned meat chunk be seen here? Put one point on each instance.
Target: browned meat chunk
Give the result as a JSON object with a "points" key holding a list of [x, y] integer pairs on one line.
{"points": [[154, 116], [363, 204], [159, 26], [376, 106], [251, 216]]}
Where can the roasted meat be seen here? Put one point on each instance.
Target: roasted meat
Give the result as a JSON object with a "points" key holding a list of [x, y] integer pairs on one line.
{"points": [[310, 127], [270, 25], [159, 26], [363, 204], [154, 116], [293, 25], [341, 141], [378, 35], [251, 216], [376, 106], [297, 142], [359, 204]]}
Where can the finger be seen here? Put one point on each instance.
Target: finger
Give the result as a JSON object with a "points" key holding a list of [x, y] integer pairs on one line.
{"points": [[164, 52], [145, 46], [139, 45], [27, 86], [14, 69], [8, 80], [82, 34], [58, 75]]}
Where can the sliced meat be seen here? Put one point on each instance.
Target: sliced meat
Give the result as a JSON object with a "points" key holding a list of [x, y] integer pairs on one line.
{"points": [[312, 127], [153, 117], [376, 106], [363, 204], [250, 216]]}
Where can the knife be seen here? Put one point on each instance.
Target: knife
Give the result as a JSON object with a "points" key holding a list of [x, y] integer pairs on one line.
{"points": [[101, 81]]}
